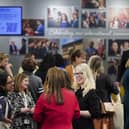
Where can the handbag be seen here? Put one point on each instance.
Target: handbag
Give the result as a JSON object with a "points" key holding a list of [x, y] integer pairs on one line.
{"points": [[4, 125], [107, 107]]}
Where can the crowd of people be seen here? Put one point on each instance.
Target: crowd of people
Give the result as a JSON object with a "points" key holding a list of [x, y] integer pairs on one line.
{"points": [[51, 95]]}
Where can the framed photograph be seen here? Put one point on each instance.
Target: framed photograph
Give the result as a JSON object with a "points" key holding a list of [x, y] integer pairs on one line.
{"points": [[93, 19], [116, 47], [63, 17], [17, 46], [41, 46], [33, 27], [95, 46], [68, 45], [118, 18], [93, 4]]}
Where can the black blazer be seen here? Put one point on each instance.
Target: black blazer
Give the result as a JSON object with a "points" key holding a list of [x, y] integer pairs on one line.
{"points": [[121, 68]]}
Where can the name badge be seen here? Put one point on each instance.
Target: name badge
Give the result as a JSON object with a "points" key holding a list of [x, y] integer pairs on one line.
{"points": [[26, 121]]}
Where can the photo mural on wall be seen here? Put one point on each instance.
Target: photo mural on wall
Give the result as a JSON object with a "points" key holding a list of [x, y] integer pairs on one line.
{"points": [[93, 4], [118, 18], [63, 17], [117, 46], [17, 46], [33, 27], [95, 46], [93, 19], [41, 46], [92, 46]]}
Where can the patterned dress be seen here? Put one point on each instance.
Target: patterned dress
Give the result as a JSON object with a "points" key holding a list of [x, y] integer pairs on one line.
{"points": [[21, 120]]}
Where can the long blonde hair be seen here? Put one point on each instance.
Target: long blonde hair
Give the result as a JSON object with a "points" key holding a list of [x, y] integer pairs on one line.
{"points": [[96, 65], [88, 76]]}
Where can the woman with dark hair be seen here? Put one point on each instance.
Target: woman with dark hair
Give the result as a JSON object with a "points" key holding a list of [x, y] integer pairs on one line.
{"points": [[35, 83], [50, 60], [4, 102], [78, 56], [56, 103]]}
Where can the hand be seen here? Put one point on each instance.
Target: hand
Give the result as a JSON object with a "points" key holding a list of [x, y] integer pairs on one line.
{"points": [[32, 110], [117, 83], [24, 110], [9, 65], [7, 120], [8, 69]]}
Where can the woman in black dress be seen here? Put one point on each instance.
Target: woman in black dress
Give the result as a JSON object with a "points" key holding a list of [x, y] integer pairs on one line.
{"points": [[89, 102]]}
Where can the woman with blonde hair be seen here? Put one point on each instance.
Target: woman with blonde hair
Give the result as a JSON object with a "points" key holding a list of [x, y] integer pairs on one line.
{"points": [[4, 63], [57, 106], [84, 86], [104, 85]]}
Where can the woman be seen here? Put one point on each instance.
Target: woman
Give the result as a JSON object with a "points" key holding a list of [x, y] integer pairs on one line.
{"points": [[77, 56], [57, 104], [90, 108], [4, 63], [10, 84], [23, 104], [104, 85], [5, 106], [125, 81]]}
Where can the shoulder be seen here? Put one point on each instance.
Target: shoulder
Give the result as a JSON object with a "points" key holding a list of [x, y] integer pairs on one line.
{"points": [[36, 77], [68, 67], [92, 94], [68, 92], [2, 99], [126, 73], [125, 53]]}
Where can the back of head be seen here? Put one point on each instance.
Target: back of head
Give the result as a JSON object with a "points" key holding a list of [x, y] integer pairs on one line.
{"points": [[59, 61], [55, 80], [95, 63], [77, 53], [28, 64], [3, 56]]}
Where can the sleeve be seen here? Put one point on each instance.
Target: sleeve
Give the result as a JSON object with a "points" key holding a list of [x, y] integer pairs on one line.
{"points": [[76, 109], [40, 87], [32, 103], [94, 104], [2, 109], [39, 109], [110, 85], [121, 67], [15, 103]]}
